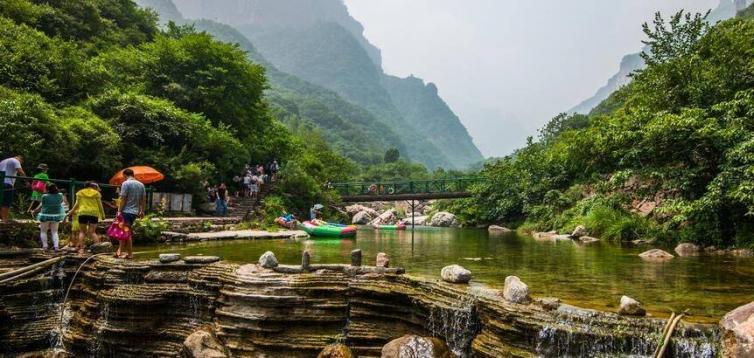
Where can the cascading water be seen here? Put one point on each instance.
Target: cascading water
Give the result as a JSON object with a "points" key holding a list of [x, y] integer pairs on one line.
{"points": [[559, 340], [457, 324]]}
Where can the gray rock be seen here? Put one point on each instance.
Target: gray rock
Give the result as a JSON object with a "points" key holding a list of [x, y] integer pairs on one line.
{"points": [[656, 255], [687, 249], [562, 238], [362, 218], [631, 307], [742, 252], [419, 220], [588, 239], [357, 208], [640, 242], [516, 291], [416, 347], [738, 332], [494, 229], [168, 258], [444, 219], [387, 218], [268, 260], [549, 303], [101, 248], [203, 344], [544, 236], [201, 259], [455, 274], [579, 231], [383, 260]]}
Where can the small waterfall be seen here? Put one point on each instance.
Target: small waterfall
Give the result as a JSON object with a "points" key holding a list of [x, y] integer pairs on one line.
{"points": [[570, 337], [56, 337], [457, 324]]}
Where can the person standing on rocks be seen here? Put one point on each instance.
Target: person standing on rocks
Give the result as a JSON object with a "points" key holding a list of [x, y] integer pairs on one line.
{"points": [[11, 167], [221, 204], [133, 202], [52, 213], [88, 208]]}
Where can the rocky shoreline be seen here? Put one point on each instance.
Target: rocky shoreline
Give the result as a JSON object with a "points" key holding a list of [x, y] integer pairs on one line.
{"points": [[139, 308]]}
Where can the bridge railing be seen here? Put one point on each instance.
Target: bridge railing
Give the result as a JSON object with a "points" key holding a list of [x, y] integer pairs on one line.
{"points": [[431, 186]]}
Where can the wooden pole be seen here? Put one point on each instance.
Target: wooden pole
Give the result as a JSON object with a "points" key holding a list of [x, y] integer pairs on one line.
{"points": [[669, 334], [44, 263]]}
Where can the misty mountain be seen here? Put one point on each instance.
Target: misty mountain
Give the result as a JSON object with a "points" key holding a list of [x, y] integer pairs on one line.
{"points": [[633, 62], [320, 44]]}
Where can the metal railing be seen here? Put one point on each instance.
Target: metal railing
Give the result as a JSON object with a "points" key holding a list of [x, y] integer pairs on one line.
{"points": [[432, 186], [70, 186]]}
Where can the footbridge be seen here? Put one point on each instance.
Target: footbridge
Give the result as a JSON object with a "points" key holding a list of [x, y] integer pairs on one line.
{"points": [[449, 188]]}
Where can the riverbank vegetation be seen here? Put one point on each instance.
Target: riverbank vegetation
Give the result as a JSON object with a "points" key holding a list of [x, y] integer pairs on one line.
{"points": [[668, 156], [90, 87]]}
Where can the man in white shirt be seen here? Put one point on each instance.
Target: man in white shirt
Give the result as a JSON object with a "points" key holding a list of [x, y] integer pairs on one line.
{"points": [[12, 168]]}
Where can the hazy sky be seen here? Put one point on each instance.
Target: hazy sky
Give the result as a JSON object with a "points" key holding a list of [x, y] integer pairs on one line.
{"points": [[506, 67]]}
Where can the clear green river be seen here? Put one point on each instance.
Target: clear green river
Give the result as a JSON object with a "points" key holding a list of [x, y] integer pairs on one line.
{"points": [[590, 276]]}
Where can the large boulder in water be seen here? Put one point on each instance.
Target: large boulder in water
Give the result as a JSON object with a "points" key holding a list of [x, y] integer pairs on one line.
{"points": [[357, 208], [412, 346], [687, 249], [363, 217], [579, 231], [387, 218], [738, 332], [516, 291], [455, 274], [494, 229], [656, 255], [444, 219], [203, 344], [631, 307], [337, 350]]}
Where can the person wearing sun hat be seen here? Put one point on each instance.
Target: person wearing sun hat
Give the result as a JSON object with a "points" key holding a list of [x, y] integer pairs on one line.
{"points": [[38, 186]]}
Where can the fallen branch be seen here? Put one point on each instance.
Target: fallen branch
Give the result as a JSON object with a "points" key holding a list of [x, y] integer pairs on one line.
{"points": [[44, 263], [668, 334]]}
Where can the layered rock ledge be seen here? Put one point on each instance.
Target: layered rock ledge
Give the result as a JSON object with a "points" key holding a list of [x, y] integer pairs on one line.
{"points": [[148, 308]]}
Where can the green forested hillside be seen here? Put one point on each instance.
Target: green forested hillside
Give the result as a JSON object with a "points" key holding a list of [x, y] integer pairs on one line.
{"points": [[90, 87], [318, 41], [420, 104], [670, 156], [328, 55]]}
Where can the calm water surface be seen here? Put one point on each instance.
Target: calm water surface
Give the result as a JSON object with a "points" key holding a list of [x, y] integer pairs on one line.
{"points": [[592, 276]]}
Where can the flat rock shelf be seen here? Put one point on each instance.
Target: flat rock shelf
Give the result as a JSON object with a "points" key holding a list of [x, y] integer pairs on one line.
{"points": [[147, 308]]}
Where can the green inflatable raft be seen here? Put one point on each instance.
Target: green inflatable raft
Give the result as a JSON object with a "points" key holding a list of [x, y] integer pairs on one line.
{"points": [[324, 230]]}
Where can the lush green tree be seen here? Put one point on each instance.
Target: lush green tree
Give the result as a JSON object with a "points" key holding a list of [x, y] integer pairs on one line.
{"points": [[392, 155], [678, 136], [51, 67], [203, 75], [674, 38], [97, 23]]}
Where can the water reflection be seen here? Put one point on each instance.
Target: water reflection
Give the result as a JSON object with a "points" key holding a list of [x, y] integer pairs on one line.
{"points": [[593, 275]]}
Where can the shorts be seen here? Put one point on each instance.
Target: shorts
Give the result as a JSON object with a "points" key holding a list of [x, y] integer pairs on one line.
{"points": [[8, 193], [129, 218], [88, 219]]}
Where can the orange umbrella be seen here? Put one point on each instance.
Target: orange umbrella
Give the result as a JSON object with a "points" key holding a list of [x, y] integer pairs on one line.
{"points": [[146, 175]]}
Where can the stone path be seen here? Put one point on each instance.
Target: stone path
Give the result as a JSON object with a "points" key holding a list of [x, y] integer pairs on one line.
{"points": [[233, 235]]}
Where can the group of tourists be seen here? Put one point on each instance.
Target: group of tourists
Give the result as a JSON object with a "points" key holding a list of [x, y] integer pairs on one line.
{"points": [[254, 177], [49, 207]]}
